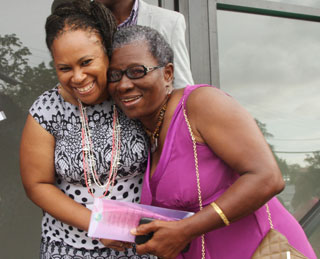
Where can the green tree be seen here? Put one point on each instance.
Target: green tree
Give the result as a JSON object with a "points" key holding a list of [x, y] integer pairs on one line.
{"points": [[18, 80], [35, 80], [263, 127], [13, 57], [313, 160], [307, 189], [282, 163], [314, 173]]}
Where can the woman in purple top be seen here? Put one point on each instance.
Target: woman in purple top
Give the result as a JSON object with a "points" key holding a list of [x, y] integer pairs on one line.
{"points": [[238, 173]]}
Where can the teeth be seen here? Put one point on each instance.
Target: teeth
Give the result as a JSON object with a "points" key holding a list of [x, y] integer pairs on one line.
{"points": [[130, 99], [86, 88]]}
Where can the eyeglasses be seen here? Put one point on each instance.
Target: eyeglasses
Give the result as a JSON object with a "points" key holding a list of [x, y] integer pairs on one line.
{"points": [[134, 72]]}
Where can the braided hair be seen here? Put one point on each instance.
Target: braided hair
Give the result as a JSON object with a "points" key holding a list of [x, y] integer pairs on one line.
{"points": [[81, 14]]}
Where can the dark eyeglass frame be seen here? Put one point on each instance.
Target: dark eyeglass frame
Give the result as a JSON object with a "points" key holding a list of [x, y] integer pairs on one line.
{"points": [[146, 70]]}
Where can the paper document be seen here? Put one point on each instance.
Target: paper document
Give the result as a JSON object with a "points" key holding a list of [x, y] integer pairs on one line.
{"points": [[114, 219]]}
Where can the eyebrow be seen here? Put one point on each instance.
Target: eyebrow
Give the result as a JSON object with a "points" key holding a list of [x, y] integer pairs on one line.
{"points": [[85, 57], [79, 60]]}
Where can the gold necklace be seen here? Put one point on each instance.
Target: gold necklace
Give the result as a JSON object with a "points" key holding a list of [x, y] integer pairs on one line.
{"points": [[154, 136]]}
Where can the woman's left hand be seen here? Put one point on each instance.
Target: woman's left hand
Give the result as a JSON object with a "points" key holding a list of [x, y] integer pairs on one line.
{"points": [[168, 240], [116, 245]]}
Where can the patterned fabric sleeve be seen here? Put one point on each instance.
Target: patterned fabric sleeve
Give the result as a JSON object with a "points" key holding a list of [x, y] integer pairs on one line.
{"points": [[43, 106]]}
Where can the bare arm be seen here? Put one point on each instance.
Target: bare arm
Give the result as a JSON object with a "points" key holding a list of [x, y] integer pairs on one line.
{"points": [[230, 131], [37, 172], [227, 128]]}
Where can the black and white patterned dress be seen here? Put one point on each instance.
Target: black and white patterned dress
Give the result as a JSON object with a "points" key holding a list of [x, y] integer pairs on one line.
{"points": [[62, 120]]}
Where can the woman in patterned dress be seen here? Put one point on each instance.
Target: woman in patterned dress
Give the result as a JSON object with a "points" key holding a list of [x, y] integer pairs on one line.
{"points": [[67, 148]]}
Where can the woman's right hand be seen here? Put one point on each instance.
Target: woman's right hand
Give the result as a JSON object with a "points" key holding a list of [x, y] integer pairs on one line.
{"points": [[116, 245]]}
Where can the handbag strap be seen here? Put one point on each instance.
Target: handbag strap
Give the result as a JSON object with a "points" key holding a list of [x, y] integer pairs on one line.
{"points": [[269, 216], [198, 178], [203, 251]]}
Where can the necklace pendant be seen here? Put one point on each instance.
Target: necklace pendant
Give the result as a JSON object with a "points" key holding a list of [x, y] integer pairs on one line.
{"points": [[154, 145], [155, 134], [93, 162]]}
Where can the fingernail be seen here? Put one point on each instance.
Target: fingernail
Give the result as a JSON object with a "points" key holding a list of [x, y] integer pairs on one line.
{"points": [[133, 231]]}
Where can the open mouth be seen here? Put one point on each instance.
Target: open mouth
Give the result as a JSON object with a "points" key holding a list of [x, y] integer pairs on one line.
{"points": [[85, 89], [130, 99]]}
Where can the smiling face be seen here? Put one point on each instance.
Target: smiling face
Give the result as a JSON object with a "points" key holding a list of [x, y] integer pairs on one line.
{"points": [[140, 98], [81, 65]]}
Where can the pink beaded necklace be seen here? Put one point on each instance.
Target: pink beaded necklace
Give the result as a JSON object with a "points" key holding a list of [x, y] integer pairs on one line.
{"points": [[89, 162]]}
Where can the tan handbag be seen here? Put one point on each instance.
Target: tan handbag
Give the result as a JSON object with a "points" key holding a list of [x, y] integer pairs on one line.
{"points": [[275, 245]]}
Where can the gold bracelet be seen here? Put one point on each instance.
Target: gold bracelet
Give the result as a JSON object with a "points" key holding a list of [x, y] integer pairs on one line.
{"points": [[220, 213]]}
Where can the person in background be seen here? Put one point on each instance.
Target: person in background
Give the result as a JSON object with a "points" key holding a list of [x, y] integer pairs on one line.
{"points": [[169, 23], [72, 152], [237, 172]]}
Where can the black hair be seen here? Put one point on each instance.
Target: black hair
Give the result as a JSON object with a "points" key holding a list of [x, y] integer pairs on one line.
{"points": [[158, 46], [81, 14]]}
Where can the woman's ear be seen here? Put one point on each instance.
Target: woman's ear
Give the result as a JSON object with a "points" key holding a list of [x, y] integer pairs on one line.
{"points": [[168, 73]]}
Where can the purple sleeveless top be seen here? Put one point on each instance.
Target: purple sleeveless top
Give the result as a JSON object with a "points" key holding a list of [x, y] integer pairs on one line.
{"points": [[174, 185]]}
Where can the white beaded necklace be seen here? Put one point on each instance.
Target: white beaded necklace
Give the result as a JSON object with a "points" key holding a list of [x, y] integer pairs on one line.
{"points": [[89, 161]]}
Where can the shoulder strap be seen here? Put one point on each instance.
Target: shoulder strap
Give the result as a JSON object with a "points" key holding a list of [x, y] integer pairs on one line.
{"points": [[203, 251], [188, 90], [269, 215]]}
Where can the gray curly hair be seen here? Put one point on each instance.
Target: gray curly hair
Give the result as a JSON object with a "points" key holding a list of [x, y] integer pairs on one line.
{"points": [[158, 46]]}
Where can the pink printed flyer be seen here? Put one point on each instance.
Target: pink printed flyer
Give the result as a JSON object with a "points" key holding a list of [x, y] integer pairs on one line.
{"points": [[114, 219]]}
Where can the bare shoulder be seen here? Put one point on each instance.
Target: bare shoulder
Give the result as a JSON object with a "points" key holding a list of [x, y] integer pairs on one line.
{"points": [[34, 128], [174, 101], [34, 135], [36, 154], [205, 91], [204, 100], [211, 110]]}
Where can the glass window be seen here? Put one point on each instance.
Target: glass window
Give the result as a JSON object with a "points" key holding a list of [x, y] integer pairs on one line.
{"points": [[309, 3], [25, 72], [271, 66]]}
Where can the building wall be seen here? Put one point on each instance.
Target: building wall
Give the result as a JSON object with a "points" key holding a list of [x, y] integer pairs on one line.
{"points": [[269, 63]]}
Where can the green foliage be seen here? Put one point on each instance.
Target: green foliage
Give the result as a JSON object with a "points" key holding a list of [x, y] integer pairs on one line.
{"points": [[14, 64], [13, 56], [304, 179], [307, 188], [313, 160], [36, 80], [288, 172], [263, 127]]}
